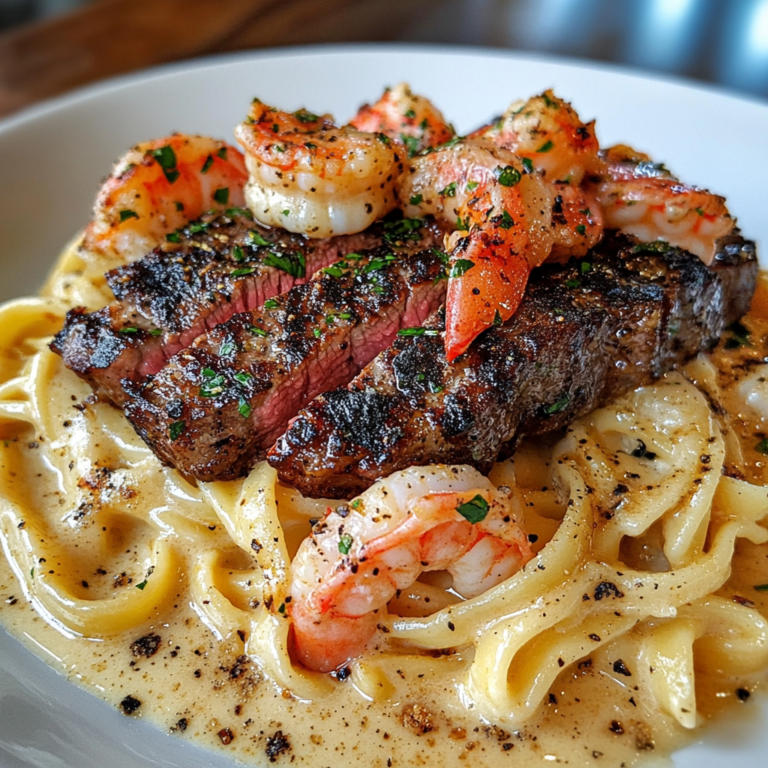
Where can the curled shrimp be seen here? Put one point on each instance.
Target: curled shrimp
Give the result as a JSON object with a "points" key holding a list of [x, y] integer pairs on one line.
{"points": [[159, 186], [421, 518], [508, 221], [307, 175], [412, 120], [548, 133], [643, 199]]}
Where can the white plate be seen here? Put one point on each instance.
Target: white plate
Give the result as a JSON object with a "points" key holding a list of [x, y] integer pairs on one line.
{"points": [[53, 156]]}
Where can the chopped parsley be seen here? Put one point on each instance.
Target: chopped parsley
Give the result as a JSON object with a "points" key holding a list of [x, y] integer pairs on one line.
{"points": [[293, 263], [403, 229], [528, 164], [254, 238], [472, 185], [317, 333], [356, 503], [166, 159], [271, 304], [126, 214], [221, 195], [213, 383], [497, 318], [129, 329], [305, 117], [475, 510], [545, 147], [417, 332], [449, 191], [258, 332], [227, 349], [222, 153], [659, 246], [761, 587], [558, 405], [581, 229], [462, 224], [156, 332], [411, 144], [585, 267], [700, 211], [334, 271], [173, 237], [207, 164], [232, 212], [244, 408], [179, 206], [461, 267], [575, 283], [762, 446], [177, 429], [243, 377], [345, 543], [505, 221], [507, 176], [286, 212], [416, 199], [237, 253], [739, 336], [409, 113], [241, 271], [142, 584]]}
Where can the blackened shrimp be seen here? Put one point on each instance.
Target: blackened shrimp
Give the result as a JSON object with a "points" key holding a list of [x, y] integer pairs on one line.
{"points": [[158, 187], [644, 199], [405, 117], [307, 175], [508, 218], [419, 519]]}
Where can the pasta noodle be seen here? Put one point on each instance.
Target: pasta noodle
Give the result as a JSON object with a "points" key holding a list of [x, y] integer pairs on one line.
{"points": [[633, 563]]}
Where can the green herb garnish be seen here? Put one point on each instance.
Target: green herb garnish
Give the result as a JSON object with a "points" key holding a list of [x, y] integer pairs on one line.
{"points": [[244, 408], [558, 405], [345, 543], [545, 147], [176, 429], [507, 176], [207, 164], [293, 263], [475, 510], [126, 214], [221, 195], [461, 267]]}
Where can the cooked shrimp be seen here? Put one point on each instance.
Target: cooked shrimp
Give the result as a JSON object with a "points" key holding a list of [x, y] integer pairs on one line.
{"points": [[643, 199], [509, 220], [159, 186], [422, 518], [309, 176], [412, 120], [547, 131]]}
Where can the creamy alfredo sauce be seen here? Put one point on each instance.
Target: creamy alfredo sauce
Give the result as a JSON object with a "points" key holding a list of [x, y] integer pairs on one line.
{"points": [[174, 672]]}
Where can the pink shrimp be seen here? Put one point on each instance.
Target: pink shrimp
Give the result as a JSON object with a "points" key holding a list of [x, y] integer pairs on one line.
{"points": [[548, 133], [643, 199], [509, 219], [158, 187], [407, 118], [308, 175], [358, 556]]}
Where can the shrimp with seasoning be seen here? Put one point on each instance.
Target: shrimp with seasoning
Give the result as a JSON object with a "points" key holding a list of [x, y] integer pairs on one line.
{"points": [[310, 176], [644, 199], [158, 187], [407, 118], [419, 519], [508, 218]]}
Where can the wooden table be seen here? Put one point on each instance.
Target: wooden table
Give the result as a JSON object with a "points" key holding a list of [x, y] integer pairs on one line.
{"points": [[111, 37]]}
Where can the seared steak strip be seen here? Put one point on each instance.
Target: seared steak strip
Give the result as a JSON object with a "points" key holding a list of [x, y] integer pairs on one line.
{"points": [[207, 272], [216, 407], [586, 332]]}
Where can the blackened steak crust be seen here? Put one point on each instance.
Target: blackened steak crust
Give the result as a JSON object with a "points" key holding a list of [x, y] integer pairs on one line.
{"points": [[586, 332], [216, 407], [207, 272]]}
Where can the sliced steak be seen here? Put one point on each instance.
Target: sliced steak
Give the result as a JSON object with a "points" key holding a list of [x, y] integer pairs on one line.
{"points": [[207, 272], [585, 332], [216, 407]]}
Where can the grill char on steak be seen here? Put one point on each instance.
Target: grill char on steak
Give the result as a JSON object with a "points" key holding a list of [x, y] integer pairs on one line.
{"points": [[216, 407], [210, 270], [585, 332]]}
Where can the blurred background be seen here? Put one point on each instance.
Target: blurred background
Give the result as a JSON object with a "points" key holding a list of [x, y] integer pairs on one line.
{"points": [[50, 46]]}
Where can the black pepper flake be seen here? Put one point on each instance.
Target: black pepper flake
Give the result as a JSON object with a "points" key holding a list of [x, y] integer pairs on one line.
{"points": [[507, 745], [620, 668], [255, 546], [552, 698], [226, 736], [343, 674], [129, 705], [594, 637], [620, 490], [742, 693], [276, 745], [607, 589], [146, 646], [182, 724], [451, 626], [533, 538], [616, 727]]}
